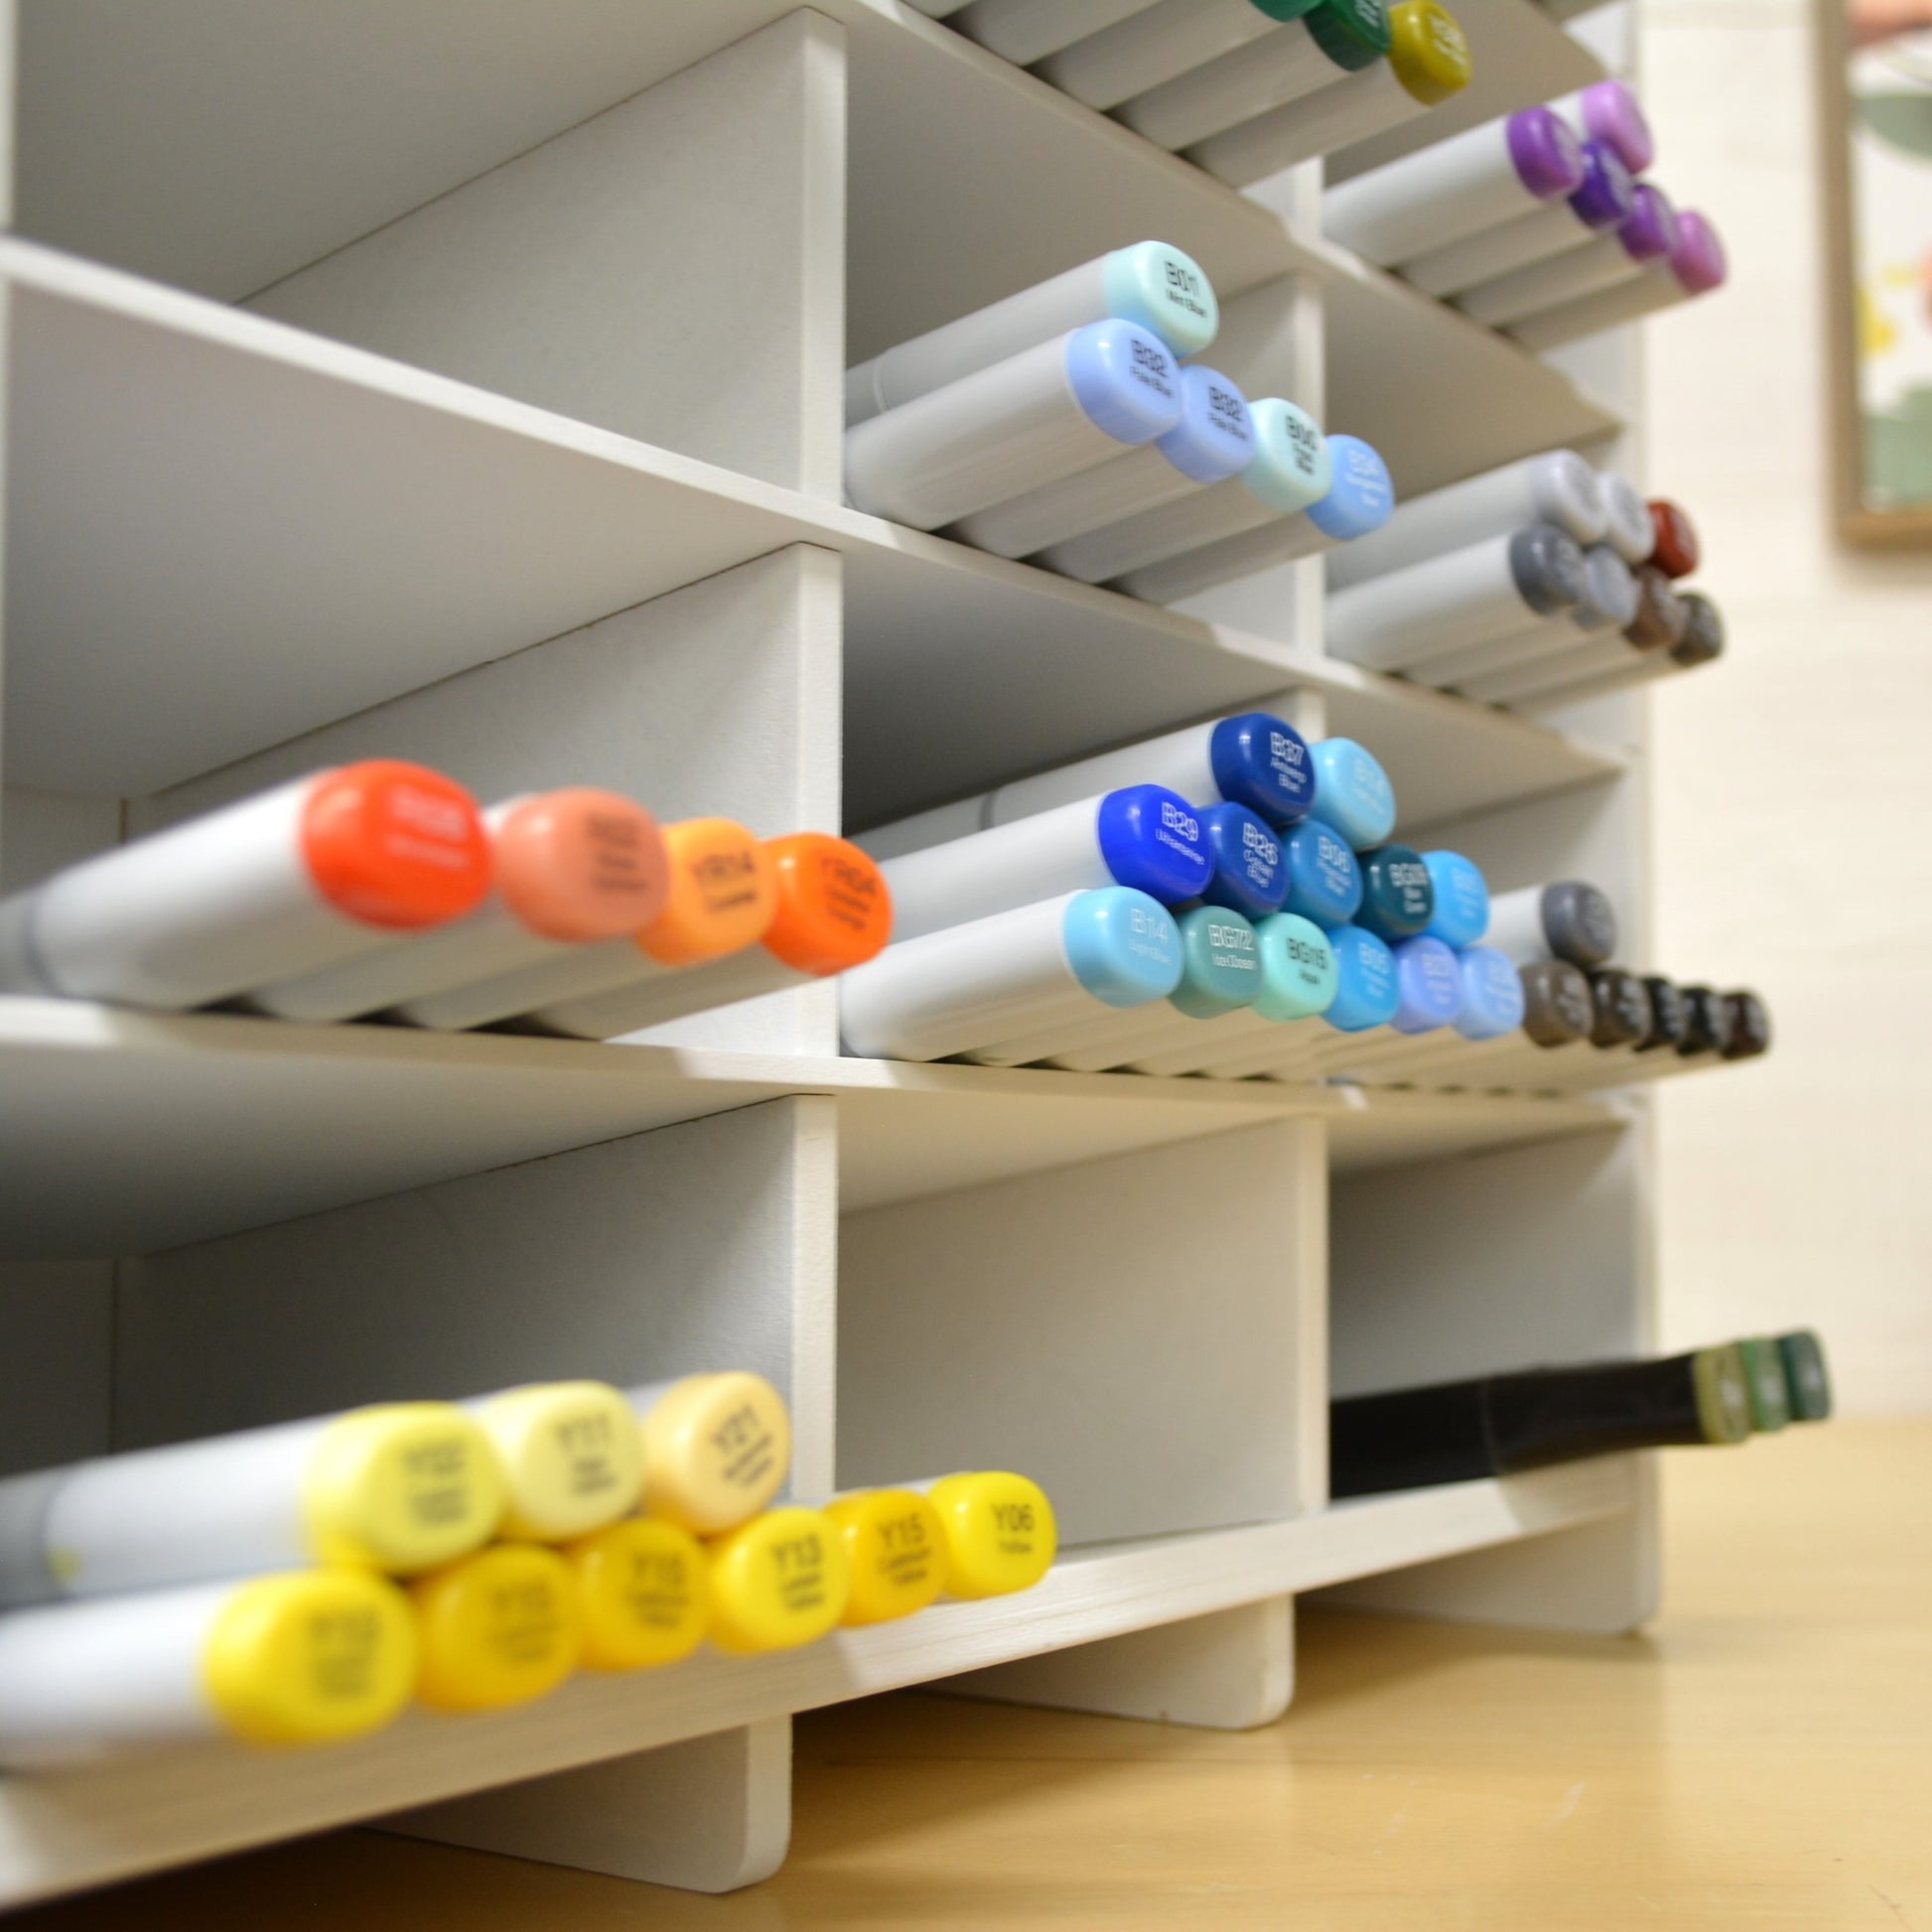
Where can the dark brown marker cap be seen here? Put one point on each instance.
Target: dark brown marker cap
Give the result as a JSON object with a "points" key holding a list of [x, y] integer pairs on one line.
{"points": [[1621, 1008], [1751, 1027], [1668, 1019], [1661, 619], [1556, 1002], [1708, 1024]]}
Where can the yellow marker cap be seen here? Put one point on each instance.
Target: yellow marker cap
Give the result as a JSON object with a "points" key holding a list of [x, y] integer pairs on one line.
{"points": [[894, 1549], [572, 1461], [640, 1587], [1429, 52], [401, 1486], [999, 1532], [777, 1581], [716, 1450], [499, 1627], [311, 1656]]}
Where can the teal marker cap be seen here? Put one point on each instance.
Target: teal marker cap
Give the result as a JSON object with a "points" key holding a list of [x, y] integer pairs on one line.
{"points": [[1283, 10], [1163, 290], [1291, 466], [1356, 796], [1220, 963], [1298, 968], [1354, 34], [1808, 1382], [1122, 947]]}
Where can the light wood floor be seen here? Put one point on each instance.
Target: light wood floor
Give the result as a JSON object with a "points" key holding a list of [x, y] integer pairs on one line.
{"points": [[1762, 1757]]}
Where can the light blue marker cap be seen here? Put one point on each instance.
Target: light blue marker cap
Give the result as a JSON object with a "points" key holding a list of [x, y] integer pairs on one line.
{"points": [[1125, 380], [1461, 915], [1220, 963], [1262, 761], [1361, 497], [1290, 467], [1165, 291], [1122, 947], [1493, 1002], [1250, 870], [1429, 985], [1366, 991], [1298, 968], [1153, 840], [1215, 436], [1358, 798], [1324, 881]]}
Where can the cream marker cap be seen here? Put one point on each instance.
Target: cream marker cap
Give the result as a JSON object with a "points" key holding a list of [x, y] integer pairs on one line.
{"points": [[896, 1550], [999, 1532], [401, 1486], [777, 1581], [310, 1657], [571, 1457], [715, 1448], [497, 1628], [642, 1593]]}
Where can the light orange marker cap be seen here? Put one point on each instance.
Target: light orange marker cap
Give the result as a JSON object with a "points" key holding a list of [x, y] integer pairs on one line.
{"points": [[723, 893], [834, 908], [394, 844], [581, 865]]}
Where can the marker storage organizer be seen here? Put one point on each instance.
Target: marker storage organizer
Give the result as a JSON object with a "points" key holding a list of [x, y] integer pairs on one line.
{"points": [[460, 381]]}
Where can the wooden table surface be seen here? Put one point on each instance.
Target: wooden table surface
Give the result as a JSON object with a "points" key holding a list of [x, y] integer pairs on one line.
{"points": [[1761, 1757]]}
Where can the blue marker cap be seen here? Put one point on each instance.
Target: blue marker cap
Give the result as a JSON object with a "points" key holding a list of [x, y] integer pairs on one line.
{"points": [[1361, 497], [1262, 761], [1215, 436], [1325, 884], [1220, 963], [1398, 894], [1123, 946], [1493, 1001], [1125, 380], [1250, 872], [1358, 798], [1291, 466], [1298, 968], [1429, 985], [1366, 993], [1151, 838], [1461, 915]]}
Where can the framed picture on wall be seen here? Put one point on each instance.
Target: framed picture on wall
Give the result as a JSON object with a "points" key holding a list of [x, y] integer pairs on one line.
{"points": [[1875, 76]]}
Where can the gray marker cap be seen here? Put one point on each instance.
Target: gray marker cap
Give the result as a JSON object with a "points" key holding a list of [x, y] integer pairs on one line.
{"points": [[1548, 569], [1579, 922], [1704, 631], [1556, 1002], [1609, 599]]}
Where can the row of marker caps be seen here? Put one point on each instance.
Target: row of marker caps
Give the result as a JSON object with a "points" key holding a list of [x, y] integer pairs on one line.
{"points": [[381, 888], [246, 1585]]}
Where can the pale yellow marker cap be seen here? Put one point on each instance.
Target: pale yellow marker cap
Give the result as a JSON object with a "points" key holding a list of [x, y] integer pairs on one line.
{"points": [[402, 1486], [999, 1532], [640, 1587], [311, 1656], [572, 1461], [499, 1627], [894, 1549], [715, 1450], [777, 1581]]}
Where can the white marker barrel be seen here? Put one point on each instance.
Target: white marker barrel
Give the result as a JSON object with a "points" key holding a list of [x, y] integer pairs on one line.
{"points": [[1566, 920], [1456, 188], [1630, 533], [1567, 277], [1026, 31], [1609, 605], [1149, 283], [1703, 639], [291, 881], [1696, 266], [1039, 416], [1537, 638], [937, 9], [1591, 658], [1158, 43], [1558, 488]]}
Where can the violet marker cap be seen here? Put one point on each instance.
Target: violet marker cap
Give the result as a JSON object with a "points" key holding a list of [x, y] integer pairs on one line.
{"points": [[1652, 232], [1608, 197], [1548, 156], [1610, 114], [1697, 260]]}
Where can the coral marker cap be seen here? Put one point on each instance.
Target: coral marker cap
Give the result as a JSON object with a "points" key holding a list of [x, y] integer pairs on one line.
{"points": [[1428, 53], [1676, 551], [723, 893], [833, 910], [640, 1588], [581, 865], [394, 844]]}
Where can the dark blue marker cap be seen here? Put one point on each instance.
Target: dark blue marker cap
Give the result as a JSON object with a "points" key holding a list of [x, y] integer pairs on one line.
{"points": [[1366, 991], [1153, 840], [1250, 870], [1262, 761], [1324, 881], [1398, 894]]}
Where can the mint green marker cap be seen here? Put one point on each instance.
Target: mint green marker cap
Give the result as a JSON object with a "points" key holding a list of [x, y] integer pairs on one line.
{"points": [[1290, 467], [1163, 290], [1770, 1398], [1299, 972], [1220, 963]]}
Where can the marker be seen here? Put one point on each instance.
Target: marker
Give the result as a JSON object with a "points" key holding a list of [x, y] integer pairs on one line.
{"points": [[1662, 616], [1398, 894], [1669, 1017], [833, 913], [1491, 1006], [1358, 501], [1568, 919], [570, 1456], [1250, 870], [1695, 267], [1556, 1014], [1590, 637], [641, 1594], [1324, 879], [1620, 1006], [1606, 199], [1501, 1424], [1213, 440], [1053, 409], [1765, 1376], [1157, 43], [1558, 488], [571, 867], [497, 1628], [1032, 967], [1368, 993], [1328, 41], [894, 1551], [1677, 552], [1026, 31], [312, 1657], [400, 1487], [1149, 284], [777, 1582], [1456, 188], [1487, 589], [1702, 641], [1630, 533], [292, 880], [1428, 995], [716, 1448], [1808, 1384], [1606, 111], [1428, 63], [721, 897], [1650, 233], [1142, 836], [1751, 1027], [999, 1529], [1709, 1025], [1461, 912], [1356, 796]]}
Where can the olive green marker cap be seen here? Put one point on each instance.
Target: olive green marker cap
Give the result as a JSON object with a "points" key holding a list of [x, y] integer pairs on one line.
{"points": [[1770, 1399], [1723, 1396]]}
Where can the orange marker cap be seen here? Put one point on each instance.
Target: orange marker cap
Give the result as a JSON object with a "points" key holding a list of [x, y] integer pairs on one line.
{"points": [[581, 865], [723, 893], [1677, 552], [394, 844], [834, 908]]}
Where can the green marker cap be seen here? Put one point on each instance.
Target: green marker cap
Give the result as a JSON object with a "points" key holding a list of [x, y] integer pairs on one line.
{"points": [[1220, 963], [1807, 1381], [1298, 971], [1283, 9], [1770, 1395], [1354, 34], [1163, 290], [1724, 1398]]}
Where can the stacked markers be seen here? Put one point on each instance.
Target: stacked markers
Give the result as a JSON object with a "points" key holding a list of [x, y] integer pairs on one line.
{"points": [[298, 1585], [380, 889], [1503, 1425]]}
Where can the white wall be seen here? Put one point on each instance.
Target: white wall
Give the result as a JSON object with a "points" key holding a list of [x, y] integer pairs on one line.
{"points": [[1793, 798]]}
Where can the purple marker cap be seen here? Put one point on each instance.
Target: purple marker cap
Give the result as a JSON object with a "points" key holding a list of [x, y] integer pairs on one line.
{"points": [[1548, 156], [1651, 232], [1609, 114], [1697, 260], [1607, 197]]}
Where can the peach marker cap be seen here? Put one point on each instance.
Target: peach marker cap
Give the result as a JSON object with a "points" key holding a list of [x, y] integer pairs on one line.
{"points": [[834, 908], [581, 865], [394, 844], [723, 893]]}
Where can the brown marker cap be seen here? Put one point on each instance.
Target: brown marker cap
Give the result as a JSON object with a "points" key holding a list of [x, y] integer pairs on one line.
{"points": [[1661, 619], [1556, 1002], [1677, 553]]}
